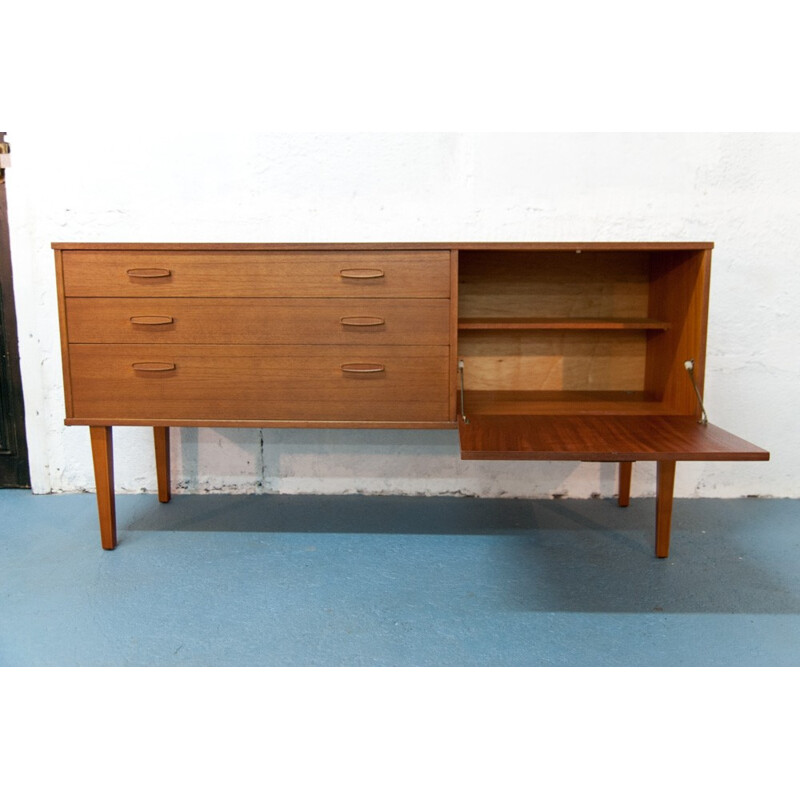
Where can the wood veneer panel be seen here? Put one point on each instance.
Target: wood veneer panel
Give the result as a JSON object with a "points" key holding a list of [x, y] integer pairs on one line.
{"points": [[601, 438], [559, 323], [62, 321], [553, 284], [554, 360], [453, 335], [404, 384], [679, 292], [266, 246], [264, 422], [258, 321], [552, 402], [144, 273]]}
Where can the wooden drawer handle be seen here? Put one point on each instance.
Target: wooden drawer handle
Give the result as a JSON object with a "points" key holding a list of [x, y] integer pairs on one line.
{"points": [[148, 272], [362, 322], [153, 366], [152, 320], [363, 368], [361, 274]]}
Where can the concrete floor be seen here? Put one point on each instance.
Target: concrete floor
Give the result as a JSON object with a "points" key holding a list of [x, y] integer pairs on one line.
{"points": [[390, 581]]}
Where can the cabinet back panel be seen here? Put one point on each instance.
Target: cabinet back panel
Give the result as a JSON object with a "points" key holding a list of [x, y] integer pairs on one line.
{"points": [[566, 284], [554, 361]]}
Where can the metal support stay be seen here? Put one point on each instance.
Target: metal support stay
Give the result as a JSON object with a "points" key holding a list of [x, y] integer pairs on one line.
{"points": [[690, 369], [461, 383]]}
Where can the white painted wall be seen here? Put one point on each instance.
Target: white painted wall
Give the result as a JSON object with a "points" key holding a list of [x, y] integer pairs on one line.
{"points": [[738, 190]]}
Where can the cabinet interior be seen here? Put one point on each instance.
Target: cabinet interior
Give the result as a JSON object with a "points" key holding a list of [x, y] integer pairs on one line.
{"points": [[581, 331]]}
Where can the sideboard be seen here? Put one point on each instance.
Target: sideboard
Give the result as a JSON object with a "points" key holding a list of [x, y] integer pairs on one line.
{"points": [[546, 351]]}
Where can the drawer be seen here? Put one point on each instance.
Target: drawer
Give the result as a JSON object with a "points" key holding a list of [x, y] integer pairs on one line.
{"points": [[369, 273], [257, 321], [149, 383]]}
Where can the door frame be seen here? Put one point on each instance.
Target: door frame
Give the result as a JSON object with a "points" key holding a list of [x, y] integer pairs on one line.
{"points": [[14, 467]]}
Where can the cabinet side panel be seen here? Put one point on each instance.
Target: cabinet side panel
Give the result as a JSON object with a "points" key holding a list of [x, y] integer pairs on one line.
{"points": [[62, 321], [705, 289], [453, 333], [679, 290]]}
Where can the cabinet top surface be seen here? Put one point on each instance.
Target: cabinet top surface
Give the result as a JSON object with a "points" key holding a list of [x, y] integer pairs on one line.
{"points": [[384, 246]]}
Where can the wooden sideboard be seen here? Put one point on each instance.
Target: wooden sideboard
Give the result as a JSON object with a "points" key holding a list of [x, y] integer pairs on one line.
{"points": [[546, 351]]}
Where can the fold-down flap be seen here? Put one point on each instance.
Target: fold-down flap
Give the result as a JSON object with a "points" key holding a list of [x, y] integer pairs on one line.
{"points": [[585, 437]]}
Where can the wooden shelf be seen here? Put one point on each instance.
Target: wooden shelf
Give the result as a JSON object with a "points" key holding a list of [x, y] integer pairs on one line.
{"points": [[559, 323], [582, 437], [480, 403]]}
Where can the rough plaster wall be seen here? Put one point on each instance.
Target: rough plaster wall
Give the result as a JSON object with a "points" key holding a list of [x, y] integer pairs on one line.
{"points": [[740, 191]]}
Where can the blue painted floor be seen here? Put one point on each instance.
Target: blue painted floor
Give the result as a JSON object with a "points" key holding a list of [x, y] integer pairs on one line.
{"points": [[391, 581]]}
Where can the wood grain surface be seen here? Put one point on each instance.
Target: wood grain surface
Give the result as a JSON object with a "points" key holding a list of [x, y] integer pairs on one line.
{"points": [[601, 438]]}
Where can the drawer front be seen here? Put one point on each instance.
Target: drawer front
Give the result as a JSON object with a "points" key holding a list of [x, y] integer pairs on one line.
{"points": [[371, 273], [257, 321], [219, 383]]}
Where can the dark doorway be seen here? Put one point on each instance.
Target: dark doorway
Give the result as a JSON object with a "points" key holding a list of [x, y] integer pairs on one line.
{"points": [[13, 446]]}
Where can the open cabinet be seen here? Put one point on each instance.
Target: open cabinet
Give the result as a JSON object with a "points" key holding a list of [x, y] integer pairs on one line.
{"points": [[535, 351], [590, 352]]}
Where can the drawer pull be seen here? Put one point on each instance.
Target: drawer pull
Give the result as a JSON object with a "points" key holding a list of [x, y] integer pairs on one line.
{"points": [[152, 320], [148, 272], [153, 366], [362, 322], [363, 368], [361, 274]]}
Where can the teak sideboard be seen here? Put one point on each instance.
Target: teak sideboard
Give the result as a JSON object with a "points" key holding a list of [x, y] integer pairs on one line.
{"points": [[546, 351]]}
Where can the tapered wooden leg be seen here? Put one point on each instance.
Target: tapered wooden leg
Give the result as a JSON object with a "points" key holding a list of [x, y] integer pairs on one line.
{"points": [[664, 492], [103, 457], [625, 472], [161, 437]]}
